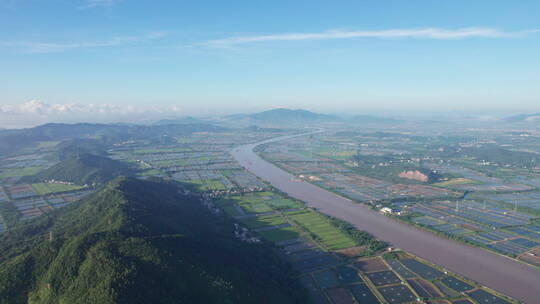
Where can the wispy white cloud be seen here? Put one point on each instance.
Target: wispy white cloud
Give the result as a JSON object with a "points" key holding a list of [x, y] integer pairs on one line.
{"points": [[40, 108], [98, 3], [48, 47], [422, 33]]}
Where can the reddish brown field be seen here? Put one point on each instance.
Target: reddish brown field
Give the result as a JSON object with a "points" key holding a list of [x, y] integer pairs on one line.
{"points": [[422, 286], [369, 265], [533, 259], [471, 227], [350, 252]]}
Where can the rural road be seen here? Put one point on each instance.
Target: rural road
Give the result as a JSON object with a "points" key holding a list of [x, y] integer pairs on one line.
{"points": [[502, 274]]}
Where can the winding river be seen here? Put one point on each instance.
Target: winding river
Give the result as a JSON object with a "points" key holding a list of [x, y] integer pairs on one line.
{"points": [[500, 273]]}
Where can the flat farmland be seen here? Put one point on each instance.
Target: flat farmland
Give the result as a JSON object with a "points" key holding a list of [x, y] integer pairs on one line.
{"points": [[48, 188], [456, 284], [397, 294], [472, 262], [370, 265], [315, 294], [351, 252], [263, 221], [281, 234], [252, 207], [532, 258], [317, 263], [424, 289], [326, 279], [306, 254], [207, 185], [231, 210], [505, 231], [21, 191], [456, 182], [348, 275], [162, 150], [381, 278], [425, 271], [340, 296], [250, 203], [400, 269], [326, 233], [530, 199], [19, 172], [282, 203], [484, 297], [363, 294], [260, 211]]}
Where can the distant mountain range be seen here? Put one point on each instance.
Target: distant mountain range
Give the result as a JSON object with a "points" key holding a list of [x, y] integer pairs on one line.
{"points": [[181, 121], [524, 118], [288, 116], [139, 242], [14, 140], [283, 116], [373, 119]]}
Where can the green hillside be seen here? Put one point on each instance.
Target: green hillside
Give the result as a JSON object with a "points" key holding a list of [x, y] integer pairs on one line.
{"points": [[82, 169], [72, 148], [138, 242]]}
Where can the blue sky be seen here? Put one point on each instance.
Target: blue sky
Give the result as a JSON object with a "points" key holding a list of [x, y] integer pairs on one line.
{"points": [[212, 57]]}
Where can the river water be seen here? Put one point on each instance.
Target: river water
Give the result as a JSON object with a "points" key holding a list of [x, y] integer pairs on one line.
{"points": [[500, 273]]}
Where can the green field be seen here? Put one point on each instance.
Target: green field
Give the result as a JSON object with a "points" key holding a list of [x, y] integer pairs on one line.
{"points": [[260, 202], [281, 234], [206, 185], [327, 152], [263, 221], [318, 226], [230, 211], [164, 150], [151, 172], [283, 203], [323, 231], [46, 188], [19, 172], [457, 182], [266, 194], [251, 203], [47, 144], [337, 155], [170, 163], [227, 201], [251, 207], [213, 184], [199, 184]]}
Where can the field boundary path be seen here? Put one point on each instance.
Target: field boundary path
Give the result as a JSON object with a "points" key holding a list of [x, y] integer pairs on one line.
{"points": [[500, 273]]}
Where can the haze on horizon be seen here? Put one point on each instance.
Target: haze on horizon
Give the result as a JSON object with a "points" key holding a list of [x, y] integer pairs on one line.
{"points": [[116, 60]]}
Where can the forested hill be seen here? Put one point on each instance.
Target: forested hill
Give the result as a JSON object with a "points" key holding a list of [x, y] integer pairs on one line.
{"points": [[14, 140], [82, 169], [138, 242]]}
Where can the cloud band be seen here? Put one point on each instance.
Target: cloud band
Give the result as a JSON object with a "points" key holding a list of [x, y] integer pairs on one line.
{"points": [[424, 33]]}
